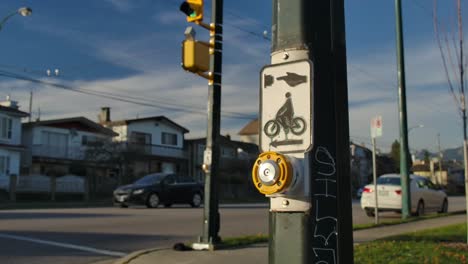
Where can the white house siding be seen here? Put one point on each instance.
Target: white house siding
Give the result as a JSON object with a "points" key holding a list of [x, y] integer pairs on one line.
{"points": [[13, 167], [249, 139], [11, 156], [15, 131]]}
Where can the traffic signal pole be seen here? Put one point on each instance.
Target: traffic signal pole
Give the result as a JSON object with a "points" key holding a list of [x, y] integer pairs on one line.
{"points": [[211, 217], [205, 59], [321, 232]]}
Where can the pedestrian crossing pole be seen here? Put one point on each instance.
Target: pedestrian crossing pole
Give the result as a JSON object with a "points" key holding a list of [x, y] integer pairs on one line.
{"points": [[304, 167]]}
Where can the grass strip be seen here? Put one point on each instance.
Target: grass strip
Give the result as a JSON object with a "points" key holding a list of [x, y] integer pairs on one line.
{"points": [[400, 221], [241, 241], [439, 245]]}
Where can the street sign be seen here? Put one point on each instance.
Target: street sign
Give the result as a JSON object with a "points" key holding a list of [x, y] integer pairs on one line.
{"points": [[286, 107], [376, 127]]}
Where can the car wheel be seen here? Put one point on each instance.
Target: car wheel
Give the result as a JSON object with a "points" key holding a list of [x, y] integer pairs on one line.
{"points": [[444, 207], [153, 201], [420, 208], [196, 200], [122, 205], [370, 212]]}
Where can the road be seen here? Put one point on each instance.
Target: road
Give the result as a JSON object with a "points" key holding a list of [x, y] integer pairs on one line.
{"points": [[79, 236]]}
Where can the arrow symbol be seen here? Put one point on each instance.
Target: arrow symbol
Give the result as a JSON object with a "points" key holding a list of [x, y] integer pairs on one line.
{"points": [[286, 142], [293, 79]]}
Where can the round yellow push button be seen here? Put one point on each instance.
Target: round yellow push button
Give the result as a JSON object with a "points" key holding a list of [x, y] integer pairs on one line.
{"points": [[271, 173]]}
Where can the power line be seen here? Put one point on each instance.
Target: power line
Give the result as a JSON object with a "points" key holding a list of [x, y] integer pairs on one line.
{"points": [[126, 99], [164, 101]]}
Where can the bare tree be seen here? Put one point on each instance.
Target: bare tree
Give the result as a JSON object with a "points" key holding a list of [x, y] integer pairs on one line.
{"points": [[451, 50]]}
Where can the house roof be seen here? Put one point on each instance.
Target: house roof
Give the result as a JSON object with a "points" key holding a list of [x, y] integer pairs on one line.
{"points": [[13, 111], [153, 118], [250, 129], [79, 123]]}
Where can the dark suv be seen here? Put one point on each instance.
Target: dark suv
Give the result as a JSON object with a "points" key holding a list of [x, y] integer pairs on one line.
{"points": [[160, 188]]}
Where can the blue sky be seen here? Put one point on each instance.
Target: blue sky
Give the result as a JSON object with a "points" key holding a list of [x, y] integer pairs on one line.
{"points": [[131, 50]]}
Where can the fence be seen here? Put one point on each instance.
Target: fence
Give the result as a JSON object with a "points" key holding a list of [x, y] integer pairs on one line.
{"points": [[40, 183]]}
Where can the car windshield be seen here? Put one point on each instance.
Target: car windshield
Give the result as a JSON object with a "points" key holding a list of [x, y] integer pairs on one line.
{"points": [[389, 180], [150, 179]]}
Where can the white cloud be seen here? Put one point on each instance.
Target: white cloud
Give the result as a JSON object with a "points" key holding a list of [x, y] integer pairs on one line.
{"points": [[121, 5]]}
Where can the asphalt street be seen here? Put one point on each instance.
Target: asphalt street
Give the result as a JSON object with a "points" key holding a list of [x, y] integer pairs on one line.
{"points": [[86, 235]]}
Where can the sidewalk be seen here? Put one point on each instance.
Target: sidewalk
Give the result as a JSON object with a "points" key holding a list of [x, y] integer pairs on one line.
{"points": [[258, 253]]}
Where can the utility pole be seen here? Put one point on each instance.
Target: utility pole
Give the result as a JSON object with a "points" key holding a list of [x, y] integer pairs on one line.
{"points": [[304, 167], [404, 156], [30, 105]]}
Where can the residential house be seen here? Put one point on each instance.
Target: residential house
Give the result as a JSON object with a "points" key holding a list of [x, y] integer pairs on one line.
{"points": [[235, 165], [10, 140], [157, 142], [59, 147], [431, 170], [361, 165], [249, 133]]}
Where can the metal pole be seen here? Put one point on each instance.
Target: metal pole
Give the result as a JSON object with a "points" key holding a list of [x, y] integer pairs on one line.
{"points": [[374, 173], [323, 234], [404, 170], [30, 105], [211, 218], [465, 153], [439, 178]]}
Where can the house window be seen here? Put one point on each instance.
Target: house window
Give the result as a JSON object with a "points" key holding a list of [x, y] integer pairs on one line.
{"points": [[169, 139], [55, 144], [140, 138], [5, 127], [4, 165]]}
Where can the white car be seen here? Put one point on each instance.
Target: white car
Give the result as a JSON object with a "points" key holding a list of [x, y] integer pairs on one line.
{"points": [[425, 196]]}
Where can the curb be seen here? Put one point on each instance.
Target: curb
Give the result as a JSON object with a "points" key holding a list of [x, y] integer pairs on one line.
{"points": [[128, 258]]}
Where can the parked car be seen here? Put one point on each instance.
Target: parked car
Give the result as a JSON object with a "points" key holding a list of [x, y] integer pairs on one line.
{"points": [[425, 196], [160, 188]]}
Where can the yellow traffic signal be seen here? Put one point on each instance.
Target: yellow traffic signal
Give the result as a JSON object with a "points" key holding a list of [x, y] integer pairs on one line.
{"points": [[193, 9], [195, 56]]}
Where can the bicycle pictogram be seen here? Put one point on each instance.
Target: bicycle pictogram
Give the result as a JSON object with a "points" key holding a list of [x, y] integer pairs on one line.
{"points": [[285, 119]]}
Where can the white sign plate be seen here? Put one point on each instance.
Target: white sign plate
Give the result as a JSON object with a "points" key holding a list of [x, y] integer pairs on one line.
{"points": [[286, 107], [376, 127]]}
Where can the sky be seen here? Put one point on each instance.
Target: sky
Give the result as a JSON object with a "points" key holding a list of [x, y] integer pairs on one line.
{"points": [[125, 54]]}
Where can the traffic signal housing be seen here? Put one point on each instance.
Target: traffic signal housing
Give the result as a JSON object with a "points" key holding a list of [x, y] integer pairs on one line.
{"points": [[193, 9], [195, 56]]}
